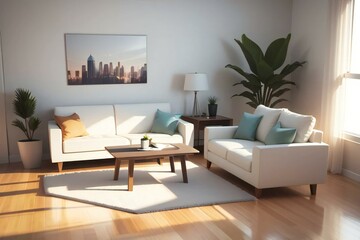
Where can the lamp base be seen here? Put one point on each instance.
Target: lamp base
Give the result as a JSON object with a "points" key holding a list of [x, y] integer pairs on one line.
{"points": [[196, 107]]}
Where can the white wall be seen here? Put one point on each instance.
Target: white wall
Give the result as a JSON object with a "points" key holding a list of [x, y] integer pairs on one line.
{"points": [[309, 43], [183, 36]]}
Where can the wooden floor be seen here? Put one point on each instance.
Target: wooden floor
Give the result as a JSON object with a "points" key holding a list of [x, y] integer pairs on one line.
{"points": [[281, 213]]}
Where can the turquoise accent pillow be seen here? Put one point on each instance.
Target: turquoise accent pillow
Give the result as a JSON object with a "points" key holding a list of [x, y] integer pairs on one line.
{"points": [[165, 122], [279, 135], [247, 126]]}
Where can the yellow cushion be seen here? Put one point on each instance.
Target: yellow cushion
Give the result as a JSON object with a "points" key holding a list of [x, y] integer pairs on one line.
{"points": [[71, 126]]}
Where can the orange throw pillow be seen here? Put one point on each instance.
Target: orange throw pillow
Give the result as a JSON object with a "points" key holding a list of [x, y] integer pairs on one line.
{"points": [[71, 126]]}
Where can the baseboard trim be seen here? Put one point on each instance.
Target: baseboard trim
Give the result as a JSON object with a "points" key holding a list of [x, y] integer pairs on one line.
{"points": [[351, 175]]}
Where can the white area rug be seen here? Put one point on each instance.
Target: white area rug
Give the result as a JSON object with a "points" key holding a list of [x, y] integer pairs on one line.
{"points": [[156, 188]]}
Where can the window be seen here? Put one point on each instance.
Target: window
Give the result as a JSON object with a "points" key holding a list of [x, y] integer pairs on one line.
{"points": [[352, 80]]}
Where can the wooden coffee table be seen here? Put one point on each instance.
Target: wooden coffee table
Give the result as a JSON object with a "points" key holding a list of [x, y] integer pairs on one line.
{"points": [[133, 154]]}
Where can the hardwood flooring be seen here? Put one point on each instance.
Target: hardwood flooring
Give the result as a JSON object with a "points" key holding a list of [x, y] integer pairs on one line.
{"points": [[281, 213]]}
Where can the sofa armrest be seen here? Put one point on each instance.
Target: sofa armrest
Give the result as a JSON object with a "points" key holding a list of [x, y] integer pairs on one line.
{"points": [[217, 132], [316, 136], [55, 141], [186, 130], [290, 164]]}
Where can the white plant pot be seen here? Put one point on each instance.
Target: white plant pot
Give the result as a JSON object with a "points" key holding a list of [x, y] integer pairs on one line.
{"points": [[145, 144], [30, 153]]}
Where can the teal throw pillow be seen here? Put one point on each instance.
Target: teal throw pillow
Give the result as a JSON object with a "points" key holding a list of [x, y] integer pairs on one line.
{"points": [[165, 122], [247, 126], [279, 135]]}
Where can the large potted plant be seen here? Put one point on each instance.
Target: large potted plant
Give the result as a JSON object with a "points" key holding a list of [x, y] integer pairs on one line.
{"points": [[30, 149], [265, 84]]}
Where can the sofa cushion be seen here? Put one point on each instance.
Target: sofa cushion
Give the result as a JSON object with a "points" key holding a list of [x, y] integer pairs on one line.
{"points": [[93, 143], [98, 119], [247, 126], [165, 122], [304, 124], [137, 118], [221, 146], [71, 126], [241, 157], [134, 138], [279, 135], [269, 119]]}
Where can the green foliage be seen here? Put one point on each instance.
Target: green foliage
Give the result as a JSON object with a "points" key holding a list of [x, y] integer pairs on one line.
{"points": [[24, 107], [146, 137], [212, 100], [263, 85]]}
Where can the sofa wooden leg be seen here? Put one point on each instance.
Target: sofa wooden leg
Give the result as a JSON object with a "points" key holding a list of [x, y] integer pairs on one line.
{"points": [[313, 189], [208, 164], [60, 166], [258, 192], [159, 161]]}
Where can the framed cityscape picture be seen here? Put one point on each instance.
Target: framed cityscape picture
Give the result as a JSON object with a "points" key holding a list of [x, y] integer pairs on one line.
{"points": [[105, 59]]}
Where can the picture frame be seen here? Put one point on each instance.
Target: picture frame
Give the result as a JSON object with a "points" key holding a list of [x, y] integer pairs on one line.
{"points": [[105, 59]]}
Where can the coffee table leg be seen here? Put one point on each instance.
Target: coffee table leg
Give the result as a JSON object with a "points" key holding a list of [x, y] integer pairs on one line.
{"points": [[117, 169], [172, 166], [131, 175], [183, 168]]}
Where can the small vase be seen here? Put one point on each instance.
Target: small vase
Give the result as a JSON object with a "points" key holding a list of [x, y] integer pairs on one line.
{"points": [[212, 110], [145, 143]]}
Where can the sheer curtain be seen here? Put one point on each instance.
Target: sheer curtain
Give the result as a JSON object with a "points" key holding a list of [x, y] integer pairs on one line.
{"points": [[340, 19]]}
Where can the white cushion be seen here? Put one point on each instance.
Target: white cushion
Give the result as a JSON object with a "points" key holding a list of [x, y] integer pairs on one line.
{"points": [[98, 119], [93, 143], [269, 119], [304, 124], [241, 157], [134, 138], [137, 118], [221, 146]]}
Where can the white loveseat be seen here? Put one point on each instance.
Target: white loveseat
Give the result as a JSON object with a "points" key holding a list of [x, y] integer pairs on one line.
{"points": [[110, 125], [266, 166]]}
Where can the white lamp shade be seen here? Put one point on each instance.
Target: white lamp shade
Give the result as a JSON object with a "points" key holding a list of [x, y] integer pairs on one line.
{"points": [[196, 82]]}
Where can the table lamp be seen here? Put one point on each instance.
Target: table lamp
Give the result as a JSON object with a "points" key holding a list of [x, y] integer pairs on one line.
{"points": [[195, 82]]}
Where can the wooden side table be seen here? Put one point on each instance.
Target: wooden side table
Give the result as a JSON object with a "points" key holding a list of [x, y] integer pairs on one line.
{"points": [[201, 122]]}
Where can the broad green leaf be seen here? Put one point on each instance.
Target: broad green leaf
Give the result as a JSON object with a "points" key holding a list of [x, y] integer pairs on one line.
{"points": [[252, 104], [277, 102], [291, 67], [264, 71], [276, 52], [248, 56], [250, 77], [280, 83], [253, 87], [253, 48], [280, 92]]}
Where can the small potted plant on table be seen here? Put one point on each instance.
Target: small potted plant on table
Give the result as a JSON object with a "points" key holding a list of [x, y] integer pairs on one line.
{"points": [[212, 106], [145, 142]]}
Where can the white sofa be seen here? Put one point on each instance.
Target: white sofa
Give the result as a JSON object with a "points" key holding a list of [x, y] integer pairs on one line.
{"points": [[267, 166], [110, 125]]}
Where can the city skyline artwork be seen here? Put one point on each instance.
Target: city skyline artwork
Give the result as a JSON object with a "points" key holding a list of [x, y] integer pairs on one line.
{"points": [[105, 59]]}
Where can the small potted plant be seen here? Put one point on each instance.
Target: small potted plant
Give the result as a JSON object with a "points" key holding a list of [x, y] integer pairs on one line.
{"points": [[212, 106], [30, 149], [145, 142]]}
